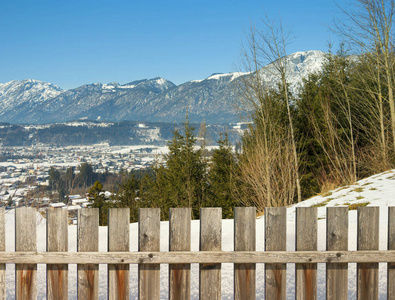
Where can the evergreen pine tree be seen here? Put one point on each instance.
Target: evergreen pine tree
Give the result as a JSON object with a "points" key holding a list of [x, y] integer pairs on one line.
{"points": [[128, 196], [99, 201], [185, 171], [221, 177], [181, 180]]}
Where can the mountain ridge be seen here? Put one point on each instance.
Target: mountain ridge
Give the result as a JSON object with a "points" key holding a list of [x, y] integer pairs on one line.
{"points": [[213, 99]]}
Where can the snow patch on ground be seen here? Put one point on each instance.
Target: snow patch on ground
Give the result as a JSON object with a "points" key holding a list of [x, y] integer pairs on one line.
{"points": [[378, 190]]}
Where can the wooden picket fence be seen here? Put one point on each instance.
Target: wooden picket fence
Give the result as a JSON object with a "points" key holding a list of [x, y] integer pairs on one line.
{"points": [[179, 257]]}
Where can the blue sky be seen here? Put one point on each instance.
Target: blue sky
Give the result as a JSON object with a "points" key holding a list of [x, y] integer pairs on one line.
{"points": [[70, 43]]}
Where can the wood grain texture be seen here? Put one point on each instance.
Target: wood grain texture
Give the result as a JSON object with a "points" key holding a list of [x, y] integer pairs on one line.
{"points": [[180, 240], [57, 241], [118, 241], [2, 249], [210, 240], [391, 246], [336, 239], [88, 240], [275, 240], [25, 240], [149, 240], [368, 239], [244, 240], [306, 239], [196, 257]]}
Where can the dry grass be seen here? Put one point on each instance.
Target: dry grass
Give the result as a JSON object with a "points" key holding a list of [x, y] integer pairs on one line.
{"points": [[43, 213], [356, 205], [321, 204], [328, 186], [260, 213]]}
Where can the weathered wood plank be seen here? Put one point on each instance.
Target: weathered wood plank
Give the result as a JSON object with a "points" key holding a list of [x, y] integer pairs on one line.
{"points": [[88, 240], [57, 241], [118, 240], [244, 240], [180, 240], [306, 239], [2, 249], [275, 240], [210, 240], [149, 240], [368, 239], [25, 240], [391, 246], [336, 239], [209, 257]]}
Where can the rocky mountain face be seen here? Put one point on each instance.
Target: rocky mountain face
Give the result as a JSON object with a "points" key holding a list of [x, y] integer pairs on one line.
{"points": [[214, 99], [17, 97]]}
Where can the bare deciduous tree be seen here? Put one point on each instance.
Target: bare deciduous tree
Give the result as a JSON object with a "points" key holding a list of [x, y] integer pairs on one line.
{"points": [[269, 162], [368, 25]]}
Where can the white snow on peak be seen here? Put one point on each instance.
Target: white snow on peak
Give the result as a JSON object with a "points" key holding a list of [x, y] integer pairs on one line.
{"points": [[160, 81], [17, 92], [127, 86], [299, 65], [232, 76], [114, 85], [109, 86]]}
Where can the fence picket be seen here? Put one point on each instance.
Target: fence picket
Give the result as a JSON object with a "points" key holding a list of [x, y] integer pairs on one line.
{"points": [[306, 239], [149, 240], [25, 240], [2, 249], [209, 257], [391, 246], [244, 233], [57, 241], [368, 239], [275, 240], [88, 241], [336, 239], [118, 241], [210, 240], [180, 240]]}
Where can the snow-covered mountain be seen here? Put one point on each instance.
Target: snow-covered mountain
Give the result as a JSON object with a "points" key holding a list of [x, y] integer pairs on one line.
{"points": [[18, 96], [213, 99]]}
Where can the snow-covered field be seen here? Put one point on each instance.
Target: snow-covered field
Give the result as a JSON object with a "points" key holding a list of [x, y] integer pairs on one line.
{"points": [[378, 190]]}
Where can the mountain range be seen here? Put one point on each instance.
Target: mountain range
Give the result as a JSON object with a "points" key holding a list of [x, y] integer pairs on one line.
{"points": [[213, 99]]}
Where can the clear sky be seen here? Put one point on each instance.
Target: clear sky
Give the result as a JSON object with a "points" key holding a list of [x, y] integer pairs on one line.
{"points": [[70, 43]]}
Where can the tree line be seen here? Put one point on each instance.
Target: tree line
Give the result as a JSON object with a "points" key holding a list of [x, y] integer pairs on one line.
{"points": [[339, 127], [188, 176], [341, 132]]}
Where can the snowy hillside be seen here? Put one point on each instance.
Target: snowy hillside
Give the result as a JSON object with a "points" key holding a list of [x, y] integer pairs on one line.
{"points": [[299, 66], [377, 190], [213, 99], [16, 97]]}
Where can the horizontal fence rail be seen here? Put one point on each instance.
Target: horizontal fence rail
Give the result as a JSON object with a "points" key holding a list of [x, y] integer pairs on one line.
{"points": [[209, 257], [195, 257]]}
